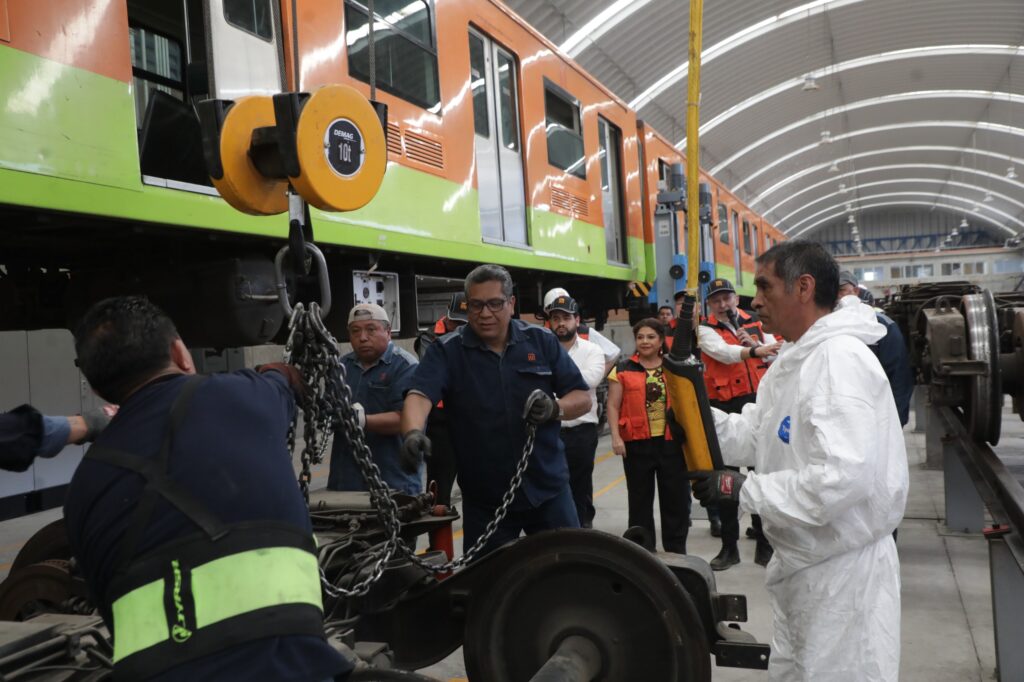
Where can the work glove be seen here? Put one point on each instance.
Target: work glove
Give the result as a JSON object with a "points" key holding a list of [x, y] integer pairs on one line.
{"points": [[717, 487], [294, 377], [415, 448], [360, 414], [96, 419], [540, 408]]}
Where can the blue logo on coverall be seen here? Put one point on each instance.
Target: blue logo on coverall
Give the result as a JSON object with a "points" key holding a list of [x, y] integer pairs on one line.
{"points": [[784, 430]]}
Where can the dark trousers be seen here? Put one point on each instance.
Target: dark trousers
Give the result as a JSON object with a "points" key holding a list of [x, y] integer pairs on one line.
{"points": [[729, 515], [580, 443], [661, 460], [441, 463], [557, 512]]}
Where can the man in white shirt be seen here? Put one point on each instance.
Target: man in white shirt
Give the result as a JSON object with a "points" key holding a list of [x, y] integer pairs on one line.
{"points": [[579, 436], [584, 331]]}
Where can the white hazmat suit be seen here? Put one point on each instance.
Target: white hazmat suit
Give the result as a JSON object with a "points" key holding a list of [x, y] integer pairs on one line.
{"points": [[830, 486]]}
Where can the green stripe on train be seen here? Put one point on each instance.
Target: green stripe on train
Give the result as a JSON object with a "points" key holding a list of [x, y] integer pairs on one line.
{"points": [[69, 144]]}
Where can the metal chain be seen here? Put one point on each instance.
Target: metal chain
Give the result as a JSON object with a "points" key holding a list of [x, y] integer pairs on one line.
{"points": [[314, 351]]}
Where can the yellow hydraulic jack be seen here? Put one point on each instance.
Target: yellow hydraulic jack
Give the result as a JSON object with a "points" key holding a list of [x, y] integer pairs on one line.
{"points": [[684, 375]]}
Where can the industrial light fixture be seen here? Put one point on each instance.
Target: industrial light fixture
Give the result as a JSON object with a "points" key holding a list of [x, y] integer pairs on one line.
{"points": [[855, 232], [834, 168], [826, 137], [849, 206], [842, 188], [810, 84], [851, 220], [988, 198], [1011, 173], [963, 223]]}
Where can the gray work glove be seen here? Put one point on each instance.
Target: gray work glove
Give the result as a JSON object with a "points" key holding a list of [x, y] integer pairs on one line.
{"points": [[96, 419], [415, 449], [360, 414], [717, 487], [540, 408]]}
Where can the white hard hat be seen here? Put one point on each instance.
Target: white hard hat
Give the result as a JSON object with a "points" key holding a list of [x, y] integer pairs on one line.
{"points": [[553, 294]]}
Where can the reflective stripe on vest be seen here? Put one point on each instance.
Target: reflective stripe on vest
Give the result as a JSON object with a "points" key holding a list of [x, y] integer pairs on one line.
{"points": [[725, 382], [223, 588]]}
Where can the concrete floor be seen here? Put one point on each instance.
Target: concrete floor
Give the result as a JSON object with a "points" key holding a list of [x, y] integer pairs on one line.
{"points": [[947, 611]]}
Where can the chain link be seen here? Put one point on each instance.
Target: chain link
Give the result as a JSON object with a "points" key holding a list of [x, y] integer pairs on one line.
{"points": [[327, 408]]}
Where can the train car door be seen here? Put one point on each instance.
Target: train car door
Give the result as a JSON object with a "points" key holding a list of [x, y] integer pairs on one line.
{"points": [[498, 151], [610, 138], [245, 46]]}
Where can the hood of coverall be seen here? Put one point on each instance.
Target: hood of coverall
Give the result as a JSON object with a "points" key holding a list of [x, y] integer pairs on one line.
{"points": [[851, 317]]}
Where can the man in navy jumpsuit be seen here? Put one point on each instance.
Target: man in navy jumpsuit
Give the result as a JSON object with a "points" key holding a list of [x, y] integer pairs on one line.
{"points": [[484, 372], [378, 372], [228, 453]]}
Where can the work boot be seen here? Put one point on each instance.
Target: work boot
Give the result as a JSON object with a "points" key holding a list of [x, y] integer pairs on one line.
{"points": [[763, 553], [751, 533], [729, 556], [716, 527]]}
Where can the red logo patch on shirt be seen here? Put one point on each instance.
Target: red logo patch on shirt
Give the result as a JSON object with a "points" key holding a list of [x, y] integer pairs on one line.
{"points": [[725, 485], [532, 357]]}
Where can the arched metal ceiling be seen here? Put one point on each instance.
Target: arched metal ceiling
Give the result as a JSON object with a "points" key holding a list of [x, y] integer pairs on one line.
{"points": [[919, 104]]}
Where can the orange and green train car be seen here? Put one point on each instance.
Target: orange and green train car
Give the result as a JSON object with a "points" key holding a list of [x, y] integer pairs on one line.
{"points": [[500, 149]]}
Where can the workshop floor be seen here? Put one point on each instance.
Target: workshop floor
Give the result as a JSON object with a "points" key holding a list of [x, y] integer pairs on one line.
{"points": [[947, 610]]}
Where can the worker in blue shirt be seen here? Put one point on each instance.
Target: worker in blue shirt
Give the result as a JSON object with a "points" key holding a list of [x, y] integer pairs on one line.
{"points": [[185, 517], [378, 372], [891, 350], [25, 434], [484, 372]]}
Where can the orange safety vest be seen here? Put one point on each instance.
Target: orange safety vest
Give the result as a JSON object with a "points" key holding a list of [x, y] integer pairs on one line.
{"points": [[725, 382], [633, 424]]}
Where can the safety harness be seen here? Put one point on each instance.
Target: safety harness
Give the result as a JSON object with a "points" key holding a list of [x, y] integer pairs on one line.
{"points": [[226, 584]]}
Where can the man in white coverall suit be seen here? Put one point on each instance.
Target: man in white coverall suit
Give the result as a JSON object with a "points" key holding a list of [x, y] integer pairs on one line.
{"points": [[831, 475]]}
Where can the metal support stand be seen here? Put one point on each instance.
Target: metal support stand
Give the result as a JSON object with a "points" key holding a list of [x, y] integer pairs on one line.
{"points": [[1008, 605], [920, 408], [933, 435], [965, 510]]}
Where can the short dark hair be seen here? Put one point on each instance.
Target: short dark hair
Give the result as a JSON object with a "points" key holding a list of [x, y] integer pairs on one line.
{"points": [[797, 257], [668, 308], [490, 273], [121, 342]]}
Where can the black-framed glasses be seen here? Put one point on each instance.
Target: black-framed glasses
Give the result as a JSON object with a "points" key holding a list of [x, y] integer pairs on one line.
{"points": [[495, 305]]}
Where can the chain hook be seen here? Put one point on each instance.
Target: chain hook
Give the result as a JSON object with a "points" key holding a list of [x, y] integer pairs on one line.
{"points": [[322, 277]]}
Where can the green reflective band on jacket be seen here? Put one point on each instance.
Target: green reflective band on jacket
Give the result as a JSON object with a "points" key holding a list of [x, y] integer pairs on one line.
{"points": [[223, 588]]}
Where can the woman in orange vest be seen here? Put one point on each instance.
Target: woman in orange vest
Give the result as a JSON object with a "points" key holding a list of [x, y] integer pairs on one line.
{"points": [[638, 416]]}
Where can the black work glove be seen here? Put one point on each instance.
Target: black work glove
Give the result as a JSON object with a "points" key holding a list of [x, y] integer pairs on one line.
{"points": [[540, 408], [294, 377], [415, 449], [717, 487], [96, 419]]}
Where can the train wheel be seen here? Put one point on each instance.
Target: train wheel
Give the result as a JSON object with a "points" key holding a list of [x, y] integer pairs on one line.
{"points": [[570, 586]]}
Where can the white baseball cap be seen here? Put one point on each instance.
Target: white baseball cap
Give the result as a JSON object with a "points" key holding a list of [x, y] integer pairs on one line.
{"points": [[368, 311], [553, 294]]}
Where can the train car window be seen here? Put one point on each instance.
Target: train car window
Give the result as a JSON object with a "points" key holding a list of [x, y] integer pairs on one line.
{"points": [[723, 224], [404, 49], [564, 131], [508, 110], [746, 237], [757, 241], [477, 66], [251, 16], [156, 66]]}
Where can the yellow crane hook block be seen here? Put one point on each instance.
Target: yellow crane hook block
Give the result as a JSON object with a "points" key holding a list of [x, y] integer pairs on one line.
{"points": [[684, 380], [328, 145]]}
